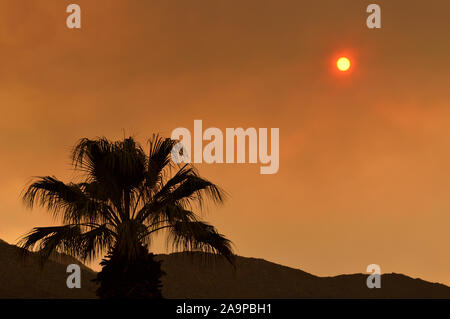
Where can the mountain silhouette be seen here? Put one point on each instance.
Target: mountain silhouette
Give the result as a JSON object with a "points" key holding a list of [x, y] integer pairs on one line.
{"points": [[199, 275], [192, 275], [25, 278]]}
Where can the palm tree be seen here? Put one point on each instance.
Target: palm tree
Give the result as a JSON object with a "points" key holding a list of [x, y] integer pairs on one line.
{"points": [[124, 198]]}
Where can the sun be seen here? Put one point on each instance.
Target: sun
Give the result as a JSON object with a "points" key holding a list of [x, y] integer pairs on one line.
{"points": [[343, 64]]}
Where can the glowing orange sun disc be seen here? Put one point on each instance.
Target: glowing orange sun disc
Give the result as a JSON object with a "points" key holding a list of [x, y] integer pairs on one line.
{"points": [[343, 64]]}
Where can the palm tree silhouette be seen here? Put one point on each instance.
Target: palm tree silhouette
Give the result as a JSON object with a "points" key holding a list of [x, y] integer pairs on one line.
{"points": [[125, 197]]}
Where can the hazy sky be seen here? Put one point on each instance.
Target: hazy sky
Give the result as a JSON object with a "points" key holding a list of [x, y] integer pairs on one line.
{"points": [[364, 158]]}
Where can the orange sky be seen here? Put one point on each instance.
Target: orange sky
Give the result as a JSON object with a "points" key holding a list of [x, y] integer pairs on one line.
{"points": [[364, 159]]}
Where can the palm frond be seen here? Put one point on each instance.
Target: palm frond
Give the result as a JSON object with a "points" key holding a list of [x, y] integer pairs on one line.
{"points": [[120, 164], [185, 190], [171, 214], [68, 199], [47, 240], [200, 236], [158, 159], [180, 176], [193, 190], [89, 154], [95, 242], [69, 239]]}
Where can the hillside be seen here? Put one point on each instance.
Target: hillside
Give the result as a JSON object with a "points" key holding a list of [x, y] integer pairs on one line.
{"points": [[195, 275], [24, 278]]}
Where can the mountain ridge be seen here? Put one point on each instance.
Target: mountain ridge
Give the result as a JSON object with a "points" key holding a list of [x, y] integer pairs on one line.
{"points": [[189, 277], [196, 275]]}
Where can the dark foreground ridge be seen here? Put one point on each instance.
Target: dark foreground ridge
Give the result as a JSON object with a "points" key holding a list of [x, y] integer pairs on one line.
{"points": [[196, 275], [25, 278]]}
